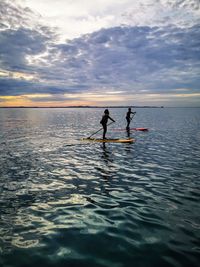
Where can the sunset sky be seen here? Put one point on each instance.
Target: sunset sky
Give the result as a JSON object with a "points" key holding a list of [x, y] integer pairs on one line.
{"points": [[99, 52]]}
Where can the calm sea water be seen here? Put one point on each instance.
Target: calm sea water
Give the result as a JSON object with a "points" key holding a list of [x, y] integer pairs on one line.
{"points": [[68, 203]]}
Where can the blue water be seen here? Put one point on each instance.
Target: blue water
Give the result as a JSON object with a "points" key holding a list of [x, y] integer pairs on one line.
{"points": [[65, 202]]}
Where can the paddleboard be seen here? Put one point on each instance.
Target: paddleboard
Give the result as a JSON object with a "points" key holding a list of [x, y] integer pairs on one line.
{"points": [[133, 129], [139, 129], [130, 140]]}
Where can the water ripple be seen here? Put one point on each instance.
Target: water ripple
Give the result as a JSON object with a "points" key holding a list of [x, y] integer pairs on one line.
{"points": [[65, 203]]}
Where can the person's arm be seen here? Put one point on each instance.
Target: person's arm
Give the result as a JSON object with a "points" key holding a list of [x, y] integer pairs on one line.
{"points": [[111, 119]]}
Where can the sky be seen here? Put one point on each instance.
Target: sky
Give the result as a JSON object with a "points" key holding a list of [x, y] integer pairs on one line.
{"points": [[100, 52]]}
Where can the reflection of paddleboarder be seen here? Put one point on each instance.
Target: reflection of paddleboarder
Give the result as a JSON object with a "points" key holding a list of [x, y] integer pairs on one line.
{"points": [[104, 121], [128, 117]]}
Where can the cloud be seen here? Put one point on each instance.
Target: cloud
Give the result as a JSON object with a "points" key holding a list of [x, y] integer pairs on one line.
{"points": [[191, 4], [54, 98], [132, 58], [15, 45], [135, 59], [88, 16]]}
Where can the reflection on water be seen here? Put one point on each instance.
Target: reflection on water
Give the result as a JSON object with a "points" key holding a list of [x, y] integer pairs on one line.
{"points": [[62, 201]]}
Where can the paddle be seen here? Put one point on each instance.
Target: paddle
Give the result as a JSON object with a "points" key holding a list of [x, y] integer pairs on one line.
{"points": [[133, 116], [98, 130]]}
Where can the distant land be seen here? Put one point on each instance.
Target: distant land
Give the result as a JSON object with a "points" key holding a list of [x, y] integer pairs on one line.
{"points": [[89, 107]]}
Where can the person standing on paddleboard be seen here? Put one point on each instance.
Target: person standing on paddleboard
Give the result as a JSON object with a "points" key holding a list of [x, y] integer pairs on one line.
{"points": [[128, 117], [104, 121]]}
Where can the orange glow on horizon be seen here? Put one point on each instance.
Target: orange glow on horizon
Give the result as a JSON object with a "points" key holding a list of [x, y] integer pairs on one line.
{"points": [[24, 101], [46, 104], [93, 99], [84, 99]]}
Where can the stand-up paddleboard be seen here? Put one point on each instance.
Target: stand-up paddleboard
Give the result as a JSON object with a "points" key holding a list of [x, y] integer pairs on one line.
{"points": [[133, 129], [139, 129], [129, 140]]}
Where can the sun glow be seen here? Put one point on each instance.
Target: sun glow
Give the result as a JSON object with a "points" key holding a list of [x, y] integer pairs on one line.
{"points": [[89, 99]]}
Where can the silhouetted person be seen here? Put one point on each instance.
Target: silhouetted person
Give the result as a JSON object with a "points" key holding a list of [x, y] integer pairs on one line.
{"points": [[128, 117], [104, 122]]}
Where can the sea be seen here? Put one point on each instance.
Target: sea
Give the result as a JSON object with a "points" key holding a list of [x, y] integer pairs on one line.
{"points": [[68, 202]]}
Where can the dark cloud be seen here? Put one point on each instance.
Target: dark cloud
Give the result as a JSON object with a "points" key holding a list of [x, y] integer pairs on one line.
{"points": [[16, 45], [128, 58], [9, 86], [16, 87], [21, 35]]}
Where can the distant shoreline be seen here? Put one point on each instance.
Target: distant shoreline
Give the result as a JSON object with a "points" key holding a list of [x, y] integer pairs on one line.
{"points": [[91, 107]]}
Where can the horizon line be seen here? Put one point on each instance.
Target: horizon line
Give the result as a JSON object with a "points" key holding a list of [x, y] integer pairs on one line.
{"points": [[85, 106]]}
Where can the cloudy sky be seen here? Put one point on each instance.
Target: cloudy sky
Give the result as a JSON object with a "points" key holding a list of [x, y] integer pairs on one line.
{"points": [[99, 52]]}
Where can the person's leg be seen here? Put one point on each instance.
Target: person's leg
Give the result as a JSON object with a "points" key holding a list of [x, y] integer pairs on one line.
{"points": [[104, 131], [128, 123]]}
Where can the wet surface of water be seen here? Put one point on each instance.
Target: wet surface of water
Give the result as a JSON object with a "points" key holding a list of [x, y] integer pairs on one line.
{"points": [[64, 202]]}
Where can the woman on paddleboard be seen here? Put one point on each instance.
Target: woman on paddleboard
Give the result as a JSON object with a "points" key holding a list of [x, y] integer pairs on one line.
{"points": [[104, 122], [128, 117]]}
